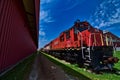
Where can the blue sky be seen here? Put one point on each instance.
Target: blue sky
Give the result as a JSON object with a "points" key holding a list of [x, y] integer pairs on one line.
{"points": [[59, 15]]}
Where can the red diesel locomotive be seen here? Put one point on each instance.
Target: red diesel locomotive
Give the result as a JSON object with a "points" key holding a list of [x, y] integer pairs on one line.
{"points": [[84, 45]]}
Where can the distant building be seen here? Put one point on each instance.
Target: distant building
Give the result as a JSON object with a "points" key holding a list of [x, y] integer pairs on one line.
{"points": [[112, 39]]}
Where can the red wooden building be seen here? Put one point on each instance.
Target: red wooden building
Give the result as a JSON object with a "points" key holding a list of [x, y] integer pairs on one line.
{"points": [[18, 30]]}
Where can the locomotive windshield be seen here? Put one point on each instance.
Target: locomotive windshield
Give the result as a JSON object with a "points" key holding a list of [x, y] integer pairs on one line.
{"points": [[75, 34], [80, 28], [62, 38], [68, 34]]}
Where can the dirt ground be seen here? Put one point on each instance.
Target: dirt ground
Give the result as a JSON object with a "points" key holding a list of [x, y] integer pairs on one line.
{"points": [[43, 69]]}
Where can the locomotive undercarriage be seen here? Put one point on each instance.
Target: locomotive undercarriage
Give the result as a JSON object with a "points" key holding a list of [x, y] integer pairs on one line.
{"points": [[90, 57]]}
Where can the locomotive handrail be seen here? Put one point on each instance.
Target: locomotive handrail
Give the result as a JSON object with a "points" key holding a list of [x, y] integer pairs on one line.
{"points": [[113, 45], [102, 39], [81, 44], [106, 40], [110, 43], [93, 43], [95, 38], [89, 45]]}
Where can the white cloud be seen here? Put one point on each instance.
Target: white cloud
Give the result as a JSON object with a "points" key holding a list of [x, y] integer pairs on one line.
{"points": [[102, 24], [45, 1], [110, 28], [41, 33], [42, 36], [107, 13], [42, 41], [74, 3], [45, 16], [67, 4], [49, 19]]}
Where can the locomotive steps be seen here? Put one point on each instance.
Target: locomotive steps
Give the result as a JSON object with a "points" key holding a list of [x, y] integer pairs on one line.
{"points": [[82, 73]]}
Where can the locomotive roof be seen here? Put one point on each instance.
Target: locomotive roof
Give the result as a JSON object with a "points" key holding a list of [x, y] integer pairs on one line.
{"points": [[76, 22], [74, 25]]}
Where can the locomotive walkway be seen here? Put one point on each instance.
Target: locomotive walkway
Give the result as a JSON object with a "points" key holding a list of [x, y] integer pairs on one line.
{"points": [[43, 69]]}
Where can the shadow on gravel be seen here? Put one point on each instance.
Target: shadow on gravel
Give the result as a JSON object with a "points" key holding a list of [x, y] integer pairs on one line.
{"points": [[44, 69]]}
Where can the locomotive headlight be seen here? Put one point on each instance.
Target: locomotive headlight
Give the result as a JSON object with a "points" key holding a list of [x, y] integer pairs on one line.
{"points": [[88, 49]]}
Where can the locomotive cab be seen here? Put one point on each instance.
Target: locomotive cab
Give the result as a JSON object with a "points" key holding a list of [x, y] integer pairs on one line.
{"points": [[94, 47]]}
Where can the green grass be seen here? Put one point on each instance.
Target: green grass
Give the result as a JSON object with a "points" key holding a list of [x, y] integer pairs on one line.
{"points": [[21, 71], [81, 73], [117, 54]]}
